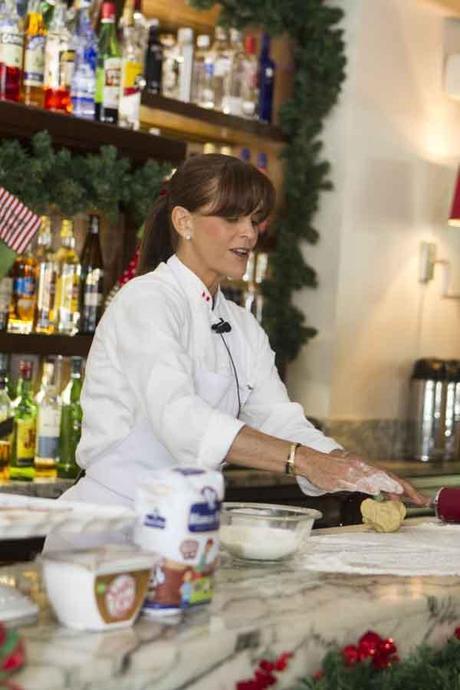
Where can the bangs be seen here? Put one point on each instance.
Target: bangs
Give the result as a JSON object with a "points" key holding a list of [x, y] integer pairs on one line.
{"points": [[241, 190]]}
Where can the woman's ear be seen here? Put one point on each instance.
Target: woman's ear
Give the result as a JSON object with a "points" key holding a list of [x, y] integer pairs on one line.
{"points": [[182, 222]]}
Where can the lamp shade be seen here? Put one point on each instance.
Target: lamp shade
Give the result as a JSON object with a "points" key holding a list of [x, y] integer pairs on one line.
{"points": [[454, 216]]}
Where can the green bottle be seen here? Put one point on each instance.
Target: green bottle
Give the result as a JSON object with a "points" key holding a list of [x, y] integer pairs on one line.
{"points": [[108, 67], [24, 429], [71, 417]]}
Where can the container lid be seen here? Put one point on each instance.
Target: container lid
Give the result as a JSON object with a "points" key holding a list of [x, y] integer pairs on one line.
{"points": [[113, 556], [453, 370], [430, 368]]}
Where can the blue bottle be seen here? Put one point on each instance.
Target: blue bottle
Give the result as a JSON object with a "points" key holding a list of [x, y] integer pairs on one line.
{"points": [[83, 87], [266, 81]]}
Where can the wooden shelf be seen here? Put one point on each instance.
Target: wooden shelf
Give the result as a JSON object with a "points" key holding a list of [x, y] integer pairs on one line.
{"points": [[77, 345], [449, 7], [86, 136], [178, 13], [179, 118]]}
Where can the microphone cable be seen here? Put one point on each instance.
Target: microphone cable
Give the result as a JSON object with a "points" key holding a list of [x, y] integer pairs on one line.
{"points": [[234, 373]]}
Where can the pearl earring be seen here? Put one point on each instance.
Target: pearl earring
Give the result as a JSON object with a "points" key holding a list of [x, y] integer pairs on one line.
{"points": [[188, 236]]}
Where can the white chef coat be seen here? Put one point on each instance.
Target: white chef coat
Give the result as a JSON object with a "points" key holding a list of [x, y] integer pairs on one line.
{"points": [[160, 390]]}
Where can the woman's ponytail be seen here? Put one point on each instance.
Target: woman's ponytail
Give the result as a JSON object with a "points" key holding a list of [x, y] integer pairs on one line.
{"points": [[159, 239]]}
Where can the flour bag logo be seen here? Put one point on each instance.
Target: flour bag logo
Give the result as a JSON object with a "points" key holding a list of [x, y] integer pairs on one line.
{"points": [[204, 516], [155, 519]]}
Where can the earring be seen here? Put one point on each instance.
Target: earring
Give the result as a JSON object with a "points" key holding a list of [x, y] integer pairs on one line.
{"points": [[188, 236]]}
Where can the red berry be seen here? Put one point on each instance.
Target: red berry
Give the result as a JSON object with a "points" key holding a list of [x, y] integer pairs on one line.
{"points": [[350, 655]]}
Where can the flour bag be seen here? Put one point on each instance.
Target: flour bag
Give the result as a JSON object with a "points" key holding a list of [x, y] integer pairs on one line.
{"points": [[179, 514]]}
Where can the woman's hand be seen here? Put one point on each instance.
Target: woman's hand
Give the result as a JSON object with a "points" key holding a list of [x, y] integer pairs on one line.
{"points": [[343, 471]]}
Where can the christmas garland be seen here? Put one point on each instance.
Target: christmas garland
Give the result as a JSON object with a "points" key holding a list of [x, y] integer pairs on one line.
{"points": [[319, 72], [45, 180], [371, 664]]}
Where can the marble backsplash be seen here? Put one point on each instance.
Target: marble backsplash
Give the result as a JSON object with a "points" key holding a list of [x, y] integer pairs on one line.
{"points": [[372, 438]]}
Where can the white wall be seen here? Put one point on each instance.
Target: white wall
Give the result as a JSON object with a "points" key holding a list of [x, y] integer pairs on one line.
{"points": [[394, 143]]}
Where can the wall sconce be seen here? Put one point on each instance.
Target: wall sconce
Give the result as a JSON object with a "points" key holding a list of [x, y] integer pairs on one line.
{"points": [[428, 259]]}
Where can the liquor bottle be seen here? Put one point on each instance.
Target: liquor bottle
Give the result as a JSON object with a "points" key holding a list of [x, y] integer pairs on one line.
{"points": [[185, 43], [6, 292], [6, 425], [46, 290], [34, 55], [59, 62], [132, 80], [24, 428], [23, 299], [203, 71], [11, 45], [108, 67], [48, 426], [92, 279], [170, 71], [245, 155], [233, 100], [83, 85], [67, 313], [266, 79], [153, 60], [249, 90], [140, 26], [71, 418], [222, 60]]}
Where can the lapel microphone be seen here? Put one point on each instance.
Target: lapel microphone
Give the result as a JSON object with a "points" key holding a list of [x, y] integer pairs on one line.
{"points": [[221, 327]]}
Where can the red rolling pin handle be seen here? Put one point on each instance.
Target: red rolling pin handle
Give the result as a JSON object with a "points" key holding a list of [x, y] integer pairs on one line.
{"points": [[447, 504]]}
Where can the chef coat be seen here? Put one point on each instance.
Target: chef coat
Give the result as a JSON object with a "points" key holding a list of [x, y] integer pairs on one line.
{"points": [[160, 389]]}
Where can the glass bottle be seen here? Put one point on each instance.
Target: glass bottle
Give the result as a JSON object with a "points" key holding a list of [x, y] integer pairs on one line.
{"points": [[203, 70], [153, 60], [11, 46], [266, 80], [67, 313], [6, 292], [71, 419], [185, 43], [48, 427], [132, 79], [47, 375], [233, 100], [222, 60], [249, 90], [24, 428], [34, 55], [108, 68], [170, 70], [83, 85], [140, 26], [46, 290], [6, 423], [92, 279], [23, 299], [59, 62]]}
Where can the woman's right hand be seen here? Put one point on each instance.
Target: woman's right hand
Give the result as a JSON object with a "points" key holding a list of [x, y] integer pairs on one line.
{"points": [[348, 472]]}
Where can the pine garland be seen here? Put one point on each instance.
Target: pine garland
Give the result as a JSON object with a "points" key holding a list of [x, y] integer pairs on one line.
{"points": [[46, 179], [319, 72]]}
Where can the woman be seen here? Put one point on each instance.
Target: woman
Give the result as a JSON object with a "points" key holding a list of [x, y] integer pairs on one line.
{"points": [[178, 375]]}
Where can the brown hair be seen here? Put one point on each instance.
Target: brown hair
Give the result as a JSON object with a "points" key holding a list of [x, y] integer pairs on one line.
{"points": [[223, 185]]}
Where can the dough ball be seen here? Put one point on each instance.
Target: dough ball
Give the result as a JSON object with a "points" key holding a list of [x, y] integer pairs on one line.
{"points": [[383, 516]]}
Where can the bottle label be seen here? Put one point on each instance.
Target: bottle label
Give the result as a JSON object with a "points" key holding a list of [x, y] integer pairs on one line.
{"points": [[49, 419], [222, 66], [66, 66], [46, 286], [24, 286], [25, 441], [58, 65], [34, 61], [68, 287], [11, 49], [111, 83], [93, 288], [131, 75]]}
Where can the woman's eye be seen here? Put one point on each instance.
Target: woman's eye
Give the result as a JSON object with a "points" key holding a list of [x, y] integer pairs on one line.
{"points": [[232, 220]]}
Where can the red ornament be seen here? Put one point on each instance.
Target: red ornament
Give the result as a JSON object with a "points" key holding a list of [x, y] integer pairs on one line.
{"points": [[266, 665], [15, 660], [369, 644], [457, 633], [350, 655], [318, 675]]}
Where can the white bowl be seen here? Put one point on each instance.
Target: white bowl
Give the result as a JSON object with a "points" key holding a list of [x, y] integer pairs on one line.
{"points": [[264, 531]]}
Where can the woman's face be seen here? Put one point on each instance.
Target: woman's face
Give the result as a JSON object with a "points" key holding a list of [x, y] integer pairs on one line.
{"points": [[218, 247]]}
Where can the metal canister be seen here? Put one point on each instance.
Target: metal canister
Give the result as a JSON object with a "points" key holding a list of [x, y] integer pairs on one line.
{"points": [[452, 410], [428, 395]]}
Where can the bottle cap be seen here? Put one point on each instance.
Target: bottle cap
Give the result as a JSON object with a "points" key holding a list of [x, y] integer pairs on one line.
{"points": [[108, 10], [185, 35], [203, 41], [250, 44]]}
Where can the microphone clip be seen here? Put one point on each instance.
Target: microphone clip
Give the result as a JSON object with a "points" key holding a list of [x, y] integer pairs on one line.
{"points": [[221, 327]]}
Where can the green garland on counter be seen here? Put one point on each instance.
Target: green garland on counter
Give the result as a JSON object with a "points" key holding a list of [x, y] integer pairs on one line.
{"points": [[319, 57], [45, 179]]}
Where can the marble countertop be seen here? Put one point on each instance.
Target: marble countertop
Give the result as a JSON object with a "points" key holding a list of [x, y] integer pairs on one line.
{"points": [[256, 612]]}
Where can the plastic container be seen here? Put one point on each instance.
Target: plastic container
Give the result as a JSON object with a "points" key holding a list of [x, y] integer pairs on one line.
{"points": [[264, 531], [97, 589]]}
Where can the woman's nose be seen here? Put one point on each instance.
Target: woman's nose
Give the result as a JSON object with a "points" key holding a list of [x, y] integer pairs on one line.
{"points": [[248, 229]]}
